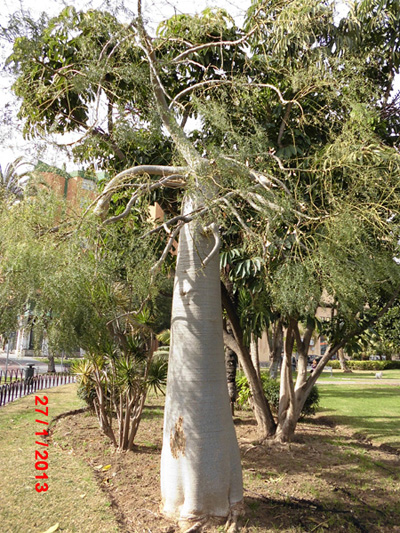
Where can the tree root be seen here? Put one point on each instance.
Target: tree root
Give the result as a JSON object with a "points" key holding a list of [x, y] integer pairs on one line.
{"points": [[201, 525]]}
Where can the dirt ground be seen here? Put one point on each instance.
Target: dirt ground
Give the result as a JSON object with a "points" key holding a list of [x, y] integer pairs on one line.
{"points": [[328, 480]]}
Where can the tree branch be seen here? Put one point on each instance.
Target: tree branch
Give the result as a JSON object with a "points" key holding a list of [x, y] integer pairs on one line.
{"points": [[214, 228], [199, 47], [284, 123], [144, 188], [182, 143], [171, 240], [103, 200]]}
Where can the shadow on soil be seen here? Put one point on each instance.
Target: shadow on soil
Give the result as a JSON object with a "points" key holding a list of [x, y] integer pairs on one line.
{"points": [[327, 480]]}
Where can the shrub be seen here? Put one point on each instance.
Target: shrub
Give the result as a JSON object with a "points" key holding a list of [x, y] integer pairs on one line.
{"points": [[82, 369], [368, 365], [271, 391]]}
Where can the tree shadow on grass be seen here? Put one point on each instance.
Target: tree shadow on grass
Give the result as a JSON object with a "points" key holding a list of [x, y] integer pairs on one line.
{"points": [[326, 479], [268, 513]]}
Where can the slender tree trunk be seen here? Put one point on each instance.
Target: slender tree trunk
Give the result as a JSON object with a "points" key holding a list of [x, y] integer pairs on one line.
{"points": [[101, 410], [231, 368], [292, 397], [255, 356], [200, 462], [287, 402], [262, 412], [342, 361], [276, 348], [51, 366]]}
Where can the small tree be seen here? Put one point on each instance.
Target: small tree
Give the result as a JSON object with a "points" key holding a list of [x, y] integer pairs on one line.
{"points": [[115, 384]]}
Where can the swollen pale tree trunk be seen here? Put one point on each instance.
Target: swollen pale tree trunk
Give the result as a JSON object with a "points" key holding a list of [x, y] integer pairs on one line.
{"points": [[200, 463]]}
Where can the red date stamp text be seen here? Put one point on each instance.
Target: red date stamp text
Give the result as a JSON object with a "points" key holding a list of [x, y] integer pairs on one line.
{"points": [[41, 455]]}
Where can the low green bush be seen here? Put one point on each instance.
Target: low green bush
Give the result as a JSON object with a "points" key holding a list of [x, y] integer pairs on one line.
{"points": [[271, 391], [82, 369], [367, 365]]}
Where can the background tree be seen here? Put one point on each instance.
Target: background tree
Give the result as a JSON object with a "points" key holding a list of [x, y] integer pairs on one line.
{"points": [[88, 289]]}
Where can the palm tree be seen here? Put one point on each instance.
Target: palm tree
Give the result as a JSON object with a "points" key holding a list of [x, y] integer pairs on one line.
{"points": [[11, 182]]}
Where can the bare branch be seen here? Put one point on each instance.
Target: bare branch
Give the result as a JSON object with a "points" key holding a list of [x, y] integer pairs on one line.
{"points": [[238, 217], [196, 86], [182, 143], [284, 124], [214, 228], [230, 82], [200, 211], [103, 200], [180, 218], [144, 188], [251, 196], [199, 47], [171, 240], [265, 181]]}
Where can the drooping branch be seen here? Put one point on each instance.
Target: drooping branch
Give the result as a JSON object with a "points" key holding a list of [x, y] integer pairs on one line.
{"points": [[230, 82], [169, 181], [237, 215], [196, 86], [103, 201], [171, 239], [179, 218], [284, 124], [266, 181]]}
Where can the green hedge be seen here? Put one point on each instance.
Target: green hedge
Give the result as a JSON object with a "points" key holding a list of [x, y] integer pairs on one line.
{"points": [[271, 391], [367, 365]]}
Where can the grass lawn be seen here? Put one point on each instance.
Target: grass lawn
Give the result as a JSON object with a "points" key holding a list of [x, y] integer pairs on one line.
{"points": [[326, 477], [373, 410], [339, 376], [73, 499]]}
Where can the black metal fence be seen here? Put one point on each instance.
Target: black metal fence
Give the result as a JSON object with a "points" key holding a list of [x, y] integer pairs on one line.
{"points": [[12, 375], [23, 387]]}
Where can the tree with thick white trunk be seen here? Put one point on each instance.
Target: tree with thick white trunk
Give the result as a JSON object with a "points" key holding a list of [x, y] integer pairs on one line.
{"points": [[201, 478], [200, 463]]}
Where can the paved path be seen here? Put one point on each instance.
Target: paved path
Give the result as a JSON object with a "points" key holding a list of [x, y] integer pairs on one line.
{"points": [[19, 363]]}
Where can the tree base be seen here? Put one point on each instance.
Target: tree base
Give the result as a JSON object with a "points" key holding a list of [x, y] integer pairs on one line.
{"points": [[201, 525]]}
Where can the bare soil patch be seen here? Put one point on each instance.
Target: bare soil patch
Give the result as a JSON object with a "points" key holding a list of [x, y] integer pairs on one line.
{"points": [[327, 480]]}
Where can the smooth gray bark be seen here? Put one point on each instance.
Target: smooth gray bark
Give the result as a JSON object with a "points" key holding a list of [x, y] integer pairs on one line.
{"points": [[200, 463]]}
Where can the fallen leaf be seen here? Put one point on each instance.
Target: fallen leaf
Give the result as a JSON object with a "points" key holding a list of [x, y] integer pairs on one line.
{"points": [[52, 528], [105, 468]]}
